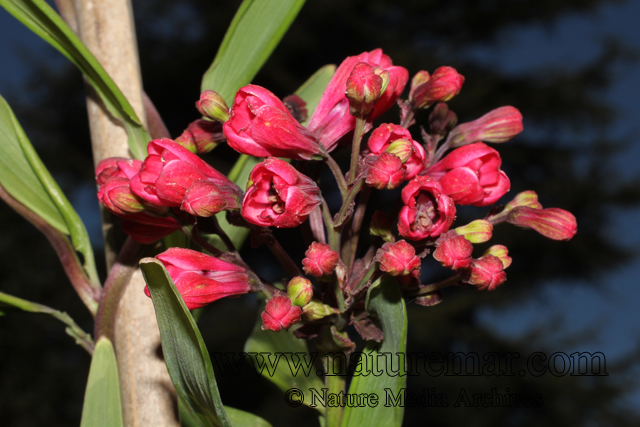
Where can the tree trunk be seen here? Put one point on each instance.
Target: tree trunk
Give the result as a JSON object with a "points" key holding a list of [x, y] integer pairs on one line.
{"points": [[148, 397]]}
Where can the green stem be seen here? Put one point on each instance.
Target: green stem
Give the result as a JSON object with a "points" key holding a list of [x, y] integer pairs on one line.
{"points": [[407, 119], [278, 251], [351, 195], [237, 168], [372, 269], [337, 173], [220, 232], [437, 286], [334, 235], [355, 148], [335, 384], [351, 245]]}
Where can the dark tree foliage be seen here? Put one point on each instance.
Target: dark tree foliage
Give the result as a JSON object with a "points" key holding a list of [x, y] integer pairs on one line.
{"points": [[41, 368]]}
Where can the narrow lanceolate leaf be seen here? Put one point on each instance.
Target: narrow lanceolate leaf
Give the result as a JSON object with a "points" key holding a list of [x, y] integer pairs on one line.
{"points": [[311, 91], [255, 31], [386, 303], [284, 360], [26, 179], [10, 303], [38, 16], [102, 405], [240, 418], [185, 353]]}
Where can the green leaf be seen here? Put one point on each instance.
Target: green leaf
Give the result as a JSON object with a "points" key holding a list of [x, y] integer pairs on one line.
{"points": [[25, 177], [311, 91], [386, 303], [254, 32], [38, 16], [185, 353], [293, 370], [102, 404], [240, 418]]}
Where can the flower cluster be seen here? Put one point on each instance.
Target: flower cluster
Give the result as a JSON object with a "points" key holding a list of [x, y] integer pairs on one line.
{"points": [[173, 188]]}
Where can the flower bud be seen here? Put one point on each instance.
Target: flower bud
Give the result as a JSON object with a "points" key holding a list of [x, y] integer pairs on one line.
{"points": [[381, 226], [442, 120], [501, 252], [320, 260], [487, 273], [315, 310], [364, 88], [421, 78], [526, 198], [478, 231], [553, 223], [398, 259], [117, 197], [300, 291], [385, 171], [187, 141], [454, 253], [213, 106], [497, 126], [205, 134], [280, 314], [444, 84], [401, 148], [205, 198]]}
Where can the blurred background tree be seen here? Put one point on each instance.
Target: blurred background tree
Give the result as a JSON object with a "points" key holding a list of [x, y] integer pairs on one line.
{"points": [[567, 154]]}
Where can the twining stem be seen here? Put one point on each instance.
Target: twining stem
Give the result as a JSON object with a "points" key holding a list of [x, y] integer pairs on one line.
{"points": [[350, 246], [351, 195], [118, 279], [457, 277], [337, 173], [355, 148], [278, 251], [334, 235]]}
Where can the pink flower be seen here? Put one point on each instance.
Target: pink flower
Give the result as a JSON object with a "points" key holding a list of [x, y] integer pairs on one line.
{"points": [[168, 172], [427, 211], [412, 153], [487, 273], [205, 198], [280, 314], [202, 279], [146, 229], [261, 125], [553, 223], [279, 195], [113, 176], [471, 175], [320, 260], [444, 84], [398, 259], [497, 126], [454, 253], [331, 120]]}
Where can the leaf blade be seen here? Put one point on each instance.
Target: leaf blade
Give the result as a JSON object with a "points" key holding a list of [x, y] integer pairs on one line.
{"points": [[185, 353]]}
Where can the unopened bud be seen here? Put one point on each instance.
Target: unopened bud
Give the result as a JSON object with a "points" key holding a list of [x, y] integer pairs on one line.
{"points": [[553, 223], [454, 253], [381, 226], [205, 134], [319, 260], [117, 197], [385, 76], [280, 314], [442, 120], [385, 171], [478, 231], [364, 88], [420, 79], [526, 198], [398, 259], [205, 198], [213, 106], [187, 141], [487, 273], [315, 310], [497, 126], [444, 84], [300, 291], [401, 148], [501, 252]]}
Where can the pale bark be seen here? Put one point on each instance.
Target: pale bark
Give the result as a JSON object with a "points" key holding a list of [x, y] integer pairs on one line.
{"points": [[106, 27]]}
